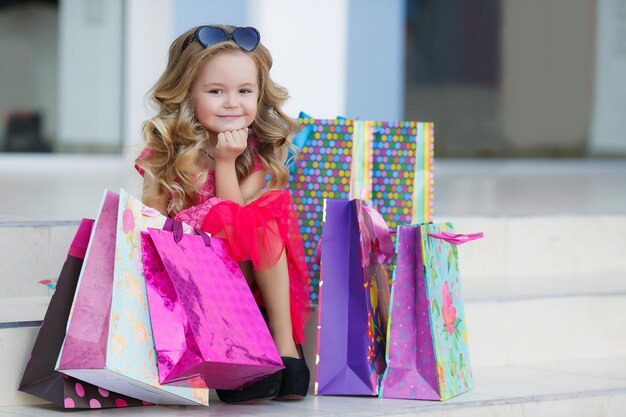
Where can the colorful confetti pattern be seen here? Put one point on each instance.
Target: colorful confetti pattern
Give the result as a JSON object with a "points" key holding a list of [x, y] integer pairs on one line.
{"points": [[393, 169]]}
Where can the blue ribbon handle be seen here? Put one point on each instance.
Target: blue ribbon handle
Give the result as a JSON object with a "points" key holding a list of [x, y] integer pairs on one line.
{"points": [[299, 140]]}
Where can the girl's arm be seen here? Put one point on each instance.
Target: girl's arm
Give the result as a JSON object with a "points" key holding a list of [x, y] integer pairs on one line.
{"points": [[252, 186], [228, 188], [153, 196]]}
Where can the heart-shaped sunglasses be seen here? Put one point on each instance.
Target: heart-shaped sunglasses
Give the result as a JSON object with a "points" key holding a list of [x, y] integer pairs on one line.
{"points": [[247, 38]]}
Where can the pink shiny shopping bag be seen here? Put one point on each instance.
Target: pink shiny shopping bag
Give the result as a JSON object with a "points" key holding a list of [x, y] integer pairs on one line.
{"points": [[205, 320]]}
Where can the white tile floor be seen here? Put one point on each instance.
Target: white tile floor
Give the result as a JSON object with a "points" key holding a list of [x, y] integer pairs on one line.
{"points": [[68, 187], [541, 383]]}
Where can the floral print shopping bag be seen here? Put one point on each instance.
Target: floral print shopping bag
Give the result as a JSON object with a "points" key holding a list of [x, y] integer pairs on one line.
{"points": [[427, 350]]}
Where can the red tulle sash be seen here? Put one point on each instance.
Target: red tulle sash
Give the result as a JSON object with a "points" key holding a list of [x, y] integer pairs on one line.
{"points": [[259, 232]]}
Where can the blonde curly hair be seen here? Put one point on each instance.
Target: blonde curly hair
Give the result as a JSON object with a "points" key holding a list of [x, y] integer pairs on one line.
{"points": [[174, 139]]}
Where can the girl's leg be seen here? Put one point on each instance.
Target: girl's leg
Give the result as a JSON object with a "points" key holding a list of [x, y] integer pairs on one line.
{"points": [[274, 286], [248, 273]]}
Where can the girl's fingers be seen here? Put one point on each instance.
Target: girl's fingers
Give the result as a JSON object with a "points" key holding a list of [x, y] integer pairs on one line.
{"points": [[228, 137], [233, 141], [223, 139], [242, 136]]}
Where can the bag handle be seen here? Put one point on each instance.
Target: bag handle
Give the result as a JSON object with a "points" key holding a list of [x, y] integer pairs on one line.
{"points": [[382, 243], [457, 238], [176, 227]]}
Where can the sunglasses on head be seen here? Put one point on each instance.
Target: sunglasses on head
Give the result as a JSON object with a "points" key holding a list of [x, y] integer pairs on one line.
{"points": [[247, 38]]}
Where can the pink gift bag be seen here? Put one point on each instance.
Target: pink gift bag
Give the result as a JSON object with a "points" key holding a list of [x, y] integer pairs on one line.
{"points": [[205, 320], [85, 342], [108, 341], [427, 350]]}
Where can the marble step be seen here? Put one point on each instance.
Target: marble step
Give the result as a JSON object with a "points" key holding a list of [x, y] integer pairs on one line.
{"points": [[560, 389], [503, 331], [31, 252], [534, 254]]}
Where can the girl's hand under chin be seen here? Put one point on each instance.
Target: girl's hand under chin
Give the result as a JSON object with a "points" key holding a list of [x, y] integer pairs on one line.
{"points": [[231, 144]]}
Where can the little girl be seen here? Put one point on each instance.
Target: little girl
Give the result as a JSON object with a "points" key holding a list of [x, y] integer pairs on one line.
{"points": [[218, 133]]}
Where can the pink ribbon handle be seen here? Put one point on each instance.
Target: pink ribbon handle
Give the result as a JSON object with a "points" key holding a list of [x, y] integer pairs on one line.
{"points": [[457, 238]]}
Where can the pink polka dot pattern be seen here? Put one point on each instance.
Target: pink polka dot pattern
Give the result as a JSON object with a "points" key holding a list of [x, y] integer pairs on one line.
{"points": [[80, 391], [119, 402], [410, 357], [82, 395]]}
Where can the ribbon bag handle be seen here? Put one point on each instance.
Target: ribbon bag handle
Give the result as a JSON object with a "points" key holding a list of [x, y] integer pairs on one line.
{"points": [[382, 243], [176, 227], [457, 238]]}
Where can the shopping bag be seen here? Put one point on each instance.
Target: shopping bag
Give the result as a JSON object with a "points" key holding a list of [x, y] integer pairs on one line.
{"points": [[354, 299], [427, 351], [40, 379], [87, 329], [205, 320], [387, 163], [117, 347]]}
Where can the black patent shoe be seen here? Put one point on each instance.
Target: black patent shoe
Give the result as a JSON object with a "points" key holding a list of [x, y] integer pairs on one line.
{"points": [[264, 389], [295, 381]]}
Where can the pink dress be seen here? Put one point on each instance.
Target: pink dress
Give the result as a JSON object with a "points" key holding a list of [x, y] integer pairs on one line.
{"points": [[259, 232]]}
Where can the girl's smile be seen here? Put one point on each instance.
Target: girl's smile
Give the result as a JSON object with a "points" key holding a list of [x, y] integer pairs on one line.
{"points": [[225, 92]]}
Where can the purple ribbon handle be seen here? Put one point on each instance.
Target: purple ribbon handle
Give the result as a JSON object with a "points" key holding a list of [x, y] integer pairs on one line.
{"points": [[176, 227]]}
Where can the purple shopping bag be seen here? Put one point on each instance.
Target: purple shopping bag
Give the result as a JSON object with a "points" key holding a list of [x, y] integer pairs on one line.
{"points": [[427, 354], [205, 320], [354, 299]]}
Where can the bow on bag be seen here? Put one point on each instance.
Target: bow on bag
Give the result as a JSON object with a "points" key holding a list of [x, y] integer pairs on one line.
{"points": [[252, 232], [379, 238], [176, 228], [261, 232]]}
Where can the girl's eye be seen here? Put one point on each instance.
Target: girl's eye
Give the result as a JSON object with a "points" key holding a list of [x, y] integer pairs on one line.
{"points": [[215, 91], [245, 91]]}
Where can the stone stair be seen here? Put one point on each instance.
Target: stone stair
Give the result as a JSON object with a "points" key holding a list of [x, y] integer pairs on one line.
{"points": [[545, 305]]}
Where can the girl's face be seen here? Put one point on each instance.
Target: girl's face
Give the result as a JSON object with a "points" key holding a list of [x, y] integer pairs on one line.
{"points": [[225, 92]]}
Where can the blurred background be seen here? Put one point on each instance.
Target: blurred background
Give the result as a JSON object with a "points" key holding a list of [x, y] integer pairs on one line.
{"points": [[500, 78]]}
